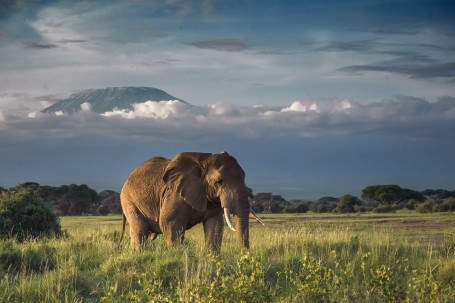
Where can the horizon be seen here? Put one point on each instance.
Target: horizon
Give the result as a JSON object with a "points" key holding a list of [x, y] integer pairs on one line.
{"points": [[100, 190]]}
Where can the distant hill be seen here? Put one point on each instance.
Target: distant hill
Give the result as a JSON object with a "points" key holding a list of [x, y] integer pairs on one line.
{"points": [[108, 99]]}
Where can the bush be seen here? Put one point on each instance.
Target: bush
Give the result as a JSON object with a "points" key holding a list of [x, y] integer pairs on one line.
{"points": [[23, 214], [361, 208], [10, 257], [322, 207], [244, 282], [425, 207], [411, 204], [257, 208], [382, 208], [295, 207], [448, 204], [39, 258], [428, 206], [347, 204], [302, 208]]}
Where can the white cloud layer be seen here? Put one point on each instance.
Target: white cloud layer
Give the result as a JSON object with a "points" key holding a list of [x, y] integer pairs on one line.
{"points": [[174, 120], [151, 109]]}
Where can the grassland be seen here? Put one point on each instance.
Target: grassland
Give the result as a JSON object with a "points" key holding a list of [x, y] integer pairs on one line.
{"points": [[402, 257]]}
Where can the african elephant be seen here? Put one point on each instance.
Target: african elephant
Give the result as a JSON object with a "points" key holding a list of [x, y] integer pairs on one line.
{"points": [[163, 196]]}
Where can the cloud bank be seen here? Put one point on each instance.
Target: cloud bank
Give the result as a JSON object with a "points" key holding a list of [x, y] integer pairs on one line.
{"points": [[151, 109], [173, 120]]}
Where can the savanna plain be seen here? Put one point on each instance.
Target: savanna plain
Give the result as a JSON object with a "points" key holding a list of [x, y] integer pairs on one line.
{"points": [[399, 257]]}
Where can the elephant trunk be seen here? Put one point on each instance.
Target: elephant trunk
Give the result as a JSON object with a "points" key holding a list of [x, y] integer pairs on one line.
{"points": [[241, 215], [237, 202]]}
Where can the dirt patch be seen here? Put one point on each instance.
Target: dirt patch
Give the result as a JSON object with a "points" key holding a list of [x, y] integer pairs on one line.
{"points": [[413, 221], [385, 221], [113, 219]]}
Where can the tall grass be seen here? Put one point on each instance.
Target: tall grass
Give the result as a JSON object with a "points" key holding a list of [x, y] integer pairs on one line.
{"points": [[292, 259]]}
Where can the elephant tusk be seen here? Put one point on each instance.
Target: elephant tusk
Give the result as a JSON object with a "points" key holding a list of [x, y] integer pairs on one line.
{"points": [[256, 217], [227, 216]]}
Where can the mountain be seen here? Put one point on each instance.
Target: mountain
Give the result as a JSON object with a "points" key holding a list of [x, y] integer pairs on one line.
{"points": [[108, 99]]}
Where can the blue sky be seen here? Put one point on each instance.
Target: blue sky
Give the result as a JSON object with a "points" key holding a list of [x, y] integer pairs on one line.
{"points": [[313, 98]]}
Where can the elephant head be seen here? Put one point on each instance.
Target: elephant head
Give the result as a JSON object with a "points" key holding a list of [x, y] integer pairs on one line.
{"points": [[218, 179]]}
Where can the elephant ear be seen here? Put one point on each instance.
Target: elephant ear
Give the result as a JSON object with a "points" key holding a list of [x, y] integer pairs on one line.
{"points": [[183, 175]]}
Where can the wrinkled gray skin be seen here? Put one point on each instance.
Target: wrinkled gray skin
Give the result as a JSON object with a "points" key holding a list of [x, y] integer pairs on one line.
{"points": [[167, 197]]}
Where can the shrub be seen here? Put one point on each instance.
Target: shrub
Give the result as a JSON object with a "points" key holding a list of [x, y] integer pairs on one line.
{"points": [[312, 280], [302, 208], [23, 214], [103, 210], [38, 258], [361, 208], [411, 204], [295, 207], [431, 205], [347, 204], [257, 208], [425, 207], [448, 204], [10, 257], [245, 282], [322, 207], [446, 273], [383, 208]]}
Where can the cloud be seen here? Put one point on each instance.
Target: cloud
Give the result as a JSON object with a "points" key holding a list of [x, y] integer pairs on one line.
{"points": [[73, 41], [227, 45], [186, 8], [94, 48], [420, 55], [58, 25], [343, 46], [86, 107], [36, 45], [298, 106], [414, 71], [151, 109], [173, 120]]}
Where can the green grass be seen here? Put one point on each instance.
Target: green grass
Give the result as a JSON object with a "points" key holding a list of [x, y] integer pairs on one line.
{"points": [[402, 257]]}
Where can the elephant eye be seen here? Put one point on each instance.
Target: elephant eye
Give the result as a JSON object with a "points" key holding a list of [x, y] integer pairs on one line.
{"points": [[219, 182]]}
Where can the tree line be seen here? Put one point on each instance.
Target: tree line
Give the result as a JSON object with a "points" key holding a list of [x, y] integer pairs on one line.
{"points": [[76, 200], [376, 198]]}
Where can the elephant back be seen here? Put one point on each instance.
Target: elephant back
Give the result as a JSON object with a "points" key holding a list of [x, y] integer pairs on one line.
{"points": [[143, 187]]}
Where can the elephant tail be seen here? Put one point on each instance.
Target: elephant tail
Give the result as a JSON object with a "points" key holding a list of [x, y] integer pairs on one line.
{"points": [[123, 227]]}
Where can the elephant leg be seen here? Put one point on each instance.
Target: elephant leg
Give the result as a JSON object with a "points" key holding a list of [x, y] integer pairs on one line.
{"points": [[174, 217], [173, 226], [138, 230], [213, 232], [136, 241], [173, 233], [137, 238]]}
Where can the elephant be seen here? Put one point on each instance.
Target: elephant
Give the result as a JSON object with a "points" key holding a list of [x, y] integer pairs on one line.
{"points": [[169, 196]]}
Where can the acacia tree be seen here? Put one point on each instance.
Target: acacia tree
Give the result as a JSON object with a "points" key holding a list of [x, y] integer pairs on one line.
{"points": [[110, 203], [390, 194], [78, 199], [268, 203], [438, 194], [347, 204]]}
